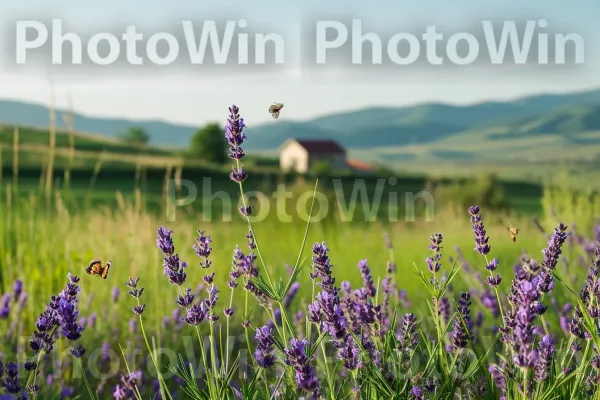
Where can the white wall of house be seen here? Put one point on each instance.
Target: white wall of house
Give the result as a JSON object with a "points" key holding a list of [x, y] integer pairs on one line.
{"points": [[293, 157]]}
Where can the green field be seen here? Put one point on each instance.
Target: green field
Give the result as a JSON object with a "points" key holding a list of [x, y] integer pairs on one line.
{"points": [[107, 200]]}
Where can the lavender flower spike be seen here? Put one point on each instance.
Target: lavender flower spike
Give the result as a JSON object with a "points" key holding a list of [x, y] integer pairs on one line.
{"points": [[463, 326], [173, 268], [546, 351], [365, 272], [264, 349], [433, 261], [481, 241], [234, 133], [296, 357]]}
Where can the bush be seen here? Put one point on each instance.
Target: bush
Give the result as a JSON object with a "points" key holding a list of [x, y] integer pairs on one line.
{"points": [[486, 190]]}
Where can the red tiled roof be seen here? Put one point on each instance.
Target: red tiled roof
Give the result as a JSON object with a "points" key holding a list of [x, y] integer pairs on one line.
{"points": [[359, 165], [321, 146]]}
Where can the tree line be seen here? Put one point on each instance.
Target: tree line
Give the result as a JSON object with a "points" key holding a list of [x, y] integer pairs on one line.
{"points": [[207, 143]]}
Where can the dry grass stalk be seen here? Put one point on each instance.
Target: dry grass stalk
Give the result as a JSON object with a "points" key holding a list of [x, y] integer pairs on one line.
{"points": [[69, 119], [165, 193], [16, 156], [52, 145]]}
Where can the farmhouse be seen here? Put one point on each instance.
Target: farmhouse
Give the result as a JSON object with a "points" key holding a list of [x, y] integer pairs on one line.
{"points": [[300, 155]]}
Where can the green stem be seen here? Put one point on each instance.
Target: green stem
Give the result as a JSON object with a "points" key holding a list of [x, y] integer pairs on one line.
{"points": [[246, 328], [329, 378], [161, 382], [258, 252], [87, 383], [202, 352], [37, 363], [227, 333]]}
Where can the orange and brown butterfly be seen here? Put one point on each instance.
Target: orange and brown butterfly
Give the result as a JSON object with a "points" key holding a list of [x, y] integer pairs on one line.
{"points": [[513, 233], [275, 109], [95, 268]]}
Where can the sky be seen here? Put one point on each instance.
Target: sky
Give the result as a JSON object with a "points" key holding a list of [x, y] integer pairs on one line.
{"points": [[196, 94]]}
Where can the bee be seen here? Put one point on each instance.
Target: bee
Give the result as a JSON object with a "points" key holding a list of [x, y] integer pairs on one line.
{"points": [[513, 233], [275, 109], [95, 268]]}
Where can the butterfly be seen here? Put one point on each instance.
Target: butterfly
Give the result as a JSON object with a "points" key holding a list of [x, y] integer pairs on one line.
{"points": [[513, 233], [275, 109], [95, 268]]}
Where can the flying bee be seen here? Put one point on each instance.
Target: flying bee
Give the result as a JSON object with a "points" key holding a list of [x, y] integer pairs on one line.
{"points": [[513, 233], [275, 109], [95, 268]]}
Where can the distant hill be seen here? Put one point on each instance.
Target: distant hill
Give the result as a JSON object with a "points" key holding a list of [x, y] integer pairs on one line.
{"points": [[378, 128], [35, 115]]}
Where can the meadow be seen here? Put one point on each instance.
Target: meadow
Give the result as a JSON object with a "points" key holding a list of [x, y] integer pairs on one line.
{"points": [[383, 338]]}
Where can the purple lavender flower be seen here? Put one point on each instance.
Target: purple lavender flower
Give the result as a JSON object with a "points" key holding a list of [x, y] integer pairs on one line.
{"points": [[407, 337], [11, 383], [91, 321], [185, 300], [327, 311], [481, 241], [546, 351], [138, 310], [433, 261], [590, 291], [17, 289], [195, 315], [527, 296], [498, 376], [5, 306], [174, 269], [264, 349], [59, 313], [78, 350], [203, 249], [296, 357], [67, 315], [115, 294], [45, 335], [365, 272], [553, 249], [417, 393], [244, 264], [234, 133], [490, 301], [463, 325], [551, 254], [210, 303], [125, 390], [444, 310], [136, 292]]}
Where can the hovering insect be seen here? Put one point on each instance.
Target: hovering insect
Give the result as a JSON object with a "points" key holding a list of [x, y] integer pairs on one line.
{"points": [[275, 109], [95, 268], [513, 233]]}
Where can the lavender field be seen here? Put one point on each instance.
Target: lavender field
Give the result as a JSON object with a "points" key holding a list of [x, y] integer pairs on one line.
{"points": [[446, 309]]}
